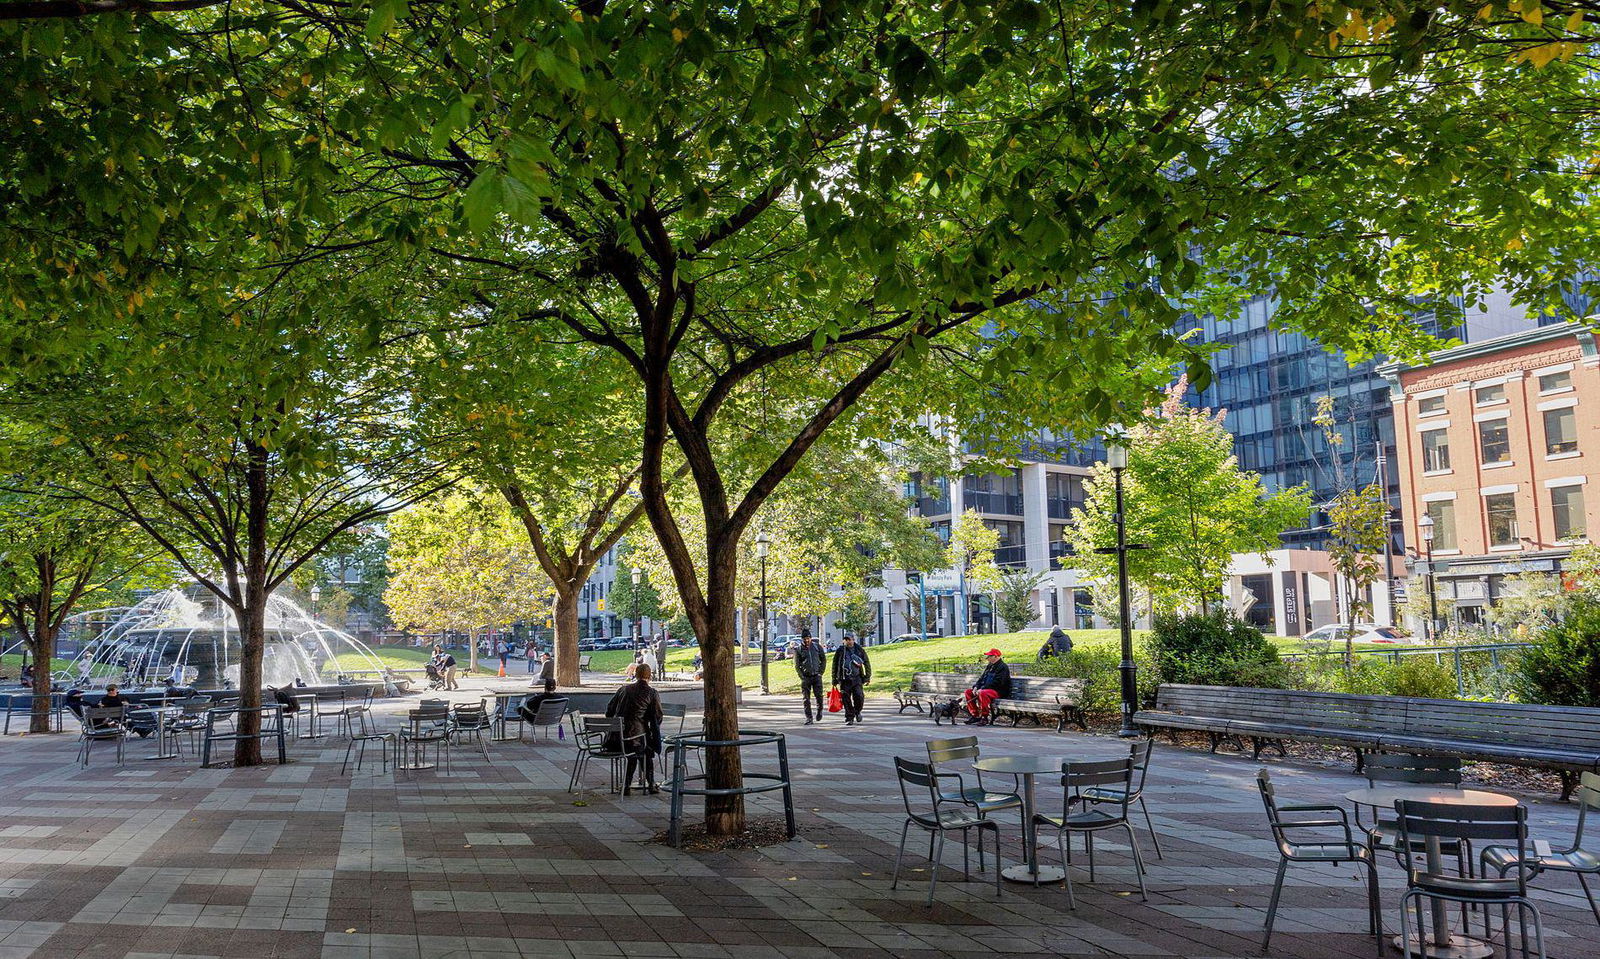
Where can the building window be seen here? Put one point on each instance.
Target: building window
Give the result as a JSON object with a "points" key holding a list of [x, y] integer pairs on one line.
{"points": [[1430, 405], [1566, 508], [1556, 382], [1502, 509], [1561, 431], [1443, 513], [1494, 441], [1435, 451], [1484, 395]]}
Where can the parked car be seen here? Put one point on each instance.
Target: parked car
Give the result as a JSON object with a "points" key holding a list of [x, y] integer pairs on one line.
{"points": [[1364, 633], [912, 638]]}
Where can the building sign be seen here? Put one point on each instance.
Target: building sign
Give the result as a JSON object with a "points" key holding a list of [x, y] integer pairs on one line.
{"points": [[1291, 605], [941, 579]]}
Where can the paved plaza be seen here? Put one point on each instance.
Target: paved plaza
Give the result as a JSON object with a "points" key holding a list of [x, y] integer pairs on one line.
{"points": [[499, 861]]}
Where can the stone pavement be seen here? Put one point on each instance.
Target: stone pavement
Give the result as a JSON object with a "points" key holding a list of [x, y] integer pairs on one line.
{"points": [[498, 861]]}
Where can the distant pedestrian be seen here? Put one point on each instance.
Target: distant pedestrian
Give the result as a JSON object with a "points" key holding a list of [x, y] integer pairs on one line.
{"points": [[809, 663], [448, 662], [1058, 645], [660, 650], [504, 649], [851, 673]]}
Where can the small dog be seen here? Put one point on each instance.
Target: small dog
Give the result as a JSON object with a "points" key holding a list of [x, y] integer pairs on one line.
{"points": [[943, 711]]}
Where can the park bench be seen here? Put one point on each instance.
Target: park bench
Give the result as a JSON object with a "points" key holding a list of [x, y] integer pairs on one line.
{"points": [[583, 662], [1041, 697], [271, 728], [1565, 739], [932, 689]]}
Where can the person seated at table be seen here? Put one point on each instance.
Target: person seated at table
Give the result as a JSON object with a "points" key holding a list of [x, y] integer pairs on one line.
{"points": [[285, 699], [638, 705], [993, 683], [142, 725]]}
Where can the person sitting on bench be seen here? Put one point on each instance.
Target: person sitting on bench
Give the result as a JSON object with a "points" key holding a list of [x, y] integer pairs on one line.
{"points": [[994, 683]]}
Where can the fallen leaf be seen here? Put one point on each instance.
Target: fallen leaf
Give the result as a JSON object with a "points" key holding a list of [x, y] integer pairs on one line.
{"points": [[349, 930]]}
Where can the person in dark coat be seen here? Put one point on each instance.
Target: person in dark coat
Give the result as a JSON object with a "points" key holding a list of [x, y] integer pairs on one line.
{"points": [[638, 705], [993, 683], [852, 670], [809, 663], [547, 679], [1058, 645]]}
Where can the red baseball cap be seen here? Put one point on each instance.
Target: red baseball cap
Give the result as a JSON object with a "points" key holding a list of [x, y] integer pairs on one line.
{"points": [[992, 652]]}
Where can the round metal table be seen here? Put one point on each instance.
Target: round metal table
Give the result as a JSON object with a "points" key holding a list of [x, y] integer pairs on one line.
{"points": [[160, 713], [1027, 767], [1442, 943]]}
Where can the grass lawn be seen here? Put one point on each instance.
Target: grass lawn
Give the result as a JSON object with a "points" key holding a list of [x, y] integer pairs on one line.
{"points": [[11, 665], [392, 657]]}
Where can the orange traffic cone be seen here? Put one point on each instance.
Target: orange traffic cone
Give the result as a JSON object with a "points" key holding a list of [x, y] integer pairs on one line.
{"points": [[502, 670]]}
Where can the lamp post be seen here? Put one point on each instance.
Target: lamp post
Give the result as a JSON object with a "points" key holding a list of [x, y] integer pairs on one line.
{"points": [[762, 544], [638, 577], [316, 597], [1425, 527], [1117, 459], [588, 611]]}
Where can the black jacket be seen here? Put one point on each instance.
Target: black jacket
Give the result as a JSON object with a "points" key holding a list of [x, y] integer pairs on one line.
{"points": [[995, 676], [851, 662], [810, 660], [638, 705]]}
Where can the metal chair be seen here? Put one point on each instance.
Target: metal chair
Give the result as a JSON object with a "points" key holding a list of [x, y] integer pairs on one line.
{"points": [[680, 712], [987, 800], [1092, 818], [1574, 859], [428, 726], [1452, 822], [550, 713], [1139, 752], [365, 731], [472, 719], [934, 812], [1384, 833], [102, 724], [594, 737], [191, 722], [1324, 851]]}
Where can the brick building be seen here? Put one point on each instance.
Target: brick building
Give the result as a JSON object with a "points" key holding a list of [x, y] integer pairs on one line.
{"points": [[1496, 441]]}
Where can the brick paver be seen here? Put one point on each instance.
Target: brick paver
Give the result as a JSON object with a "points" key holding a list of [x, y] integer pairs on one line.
{"points": [[162, 860]]}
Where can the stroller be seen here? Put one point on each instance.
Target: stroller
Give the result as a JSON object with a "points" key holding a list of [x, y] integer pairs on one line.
{"points": [[435, 678]]}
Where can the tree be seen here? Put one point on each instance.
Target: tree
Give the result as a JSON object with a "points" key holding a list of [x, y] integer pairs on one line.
{"points": [[970, 553], [858, 615], [462, 562], [1014, 602], [1188, 501], [637, 603], [55, 555], [853, 203], [918, 607], [1358, 525]]}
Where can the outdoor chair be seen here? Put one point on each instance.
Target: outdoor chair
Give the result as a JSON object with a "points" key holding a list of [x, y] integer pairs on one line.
{"points": [[1093, 817], [1459, 824], [472, 719], [680, 712], [427, 726], [190, 722], [600, 737], [505, 712], [1139, 752], [987, 800], [550, 713], [363, 731], [1574, 859], [1319, 850], [1384, 833], [102, 724], [928, 807]]}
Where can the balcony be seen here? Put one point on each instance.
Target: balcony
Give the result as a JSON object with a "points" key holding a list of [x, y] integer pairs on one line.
{"points": [[1002, 504], [1011, 556], [1060, 507]]}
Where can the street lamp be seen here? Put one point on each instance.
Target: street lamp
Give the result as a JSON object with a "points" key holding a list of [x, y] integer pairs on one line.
{"points": [[316, 597], [1117, 459], [922, 588], [762, 544], [638, 576], [1425, 527]]}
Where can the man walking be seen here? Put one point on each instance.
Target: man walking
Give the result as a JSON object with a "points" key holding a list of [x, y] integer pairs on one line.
{"points": [[851, 672], [809, 662], [994, 683]]}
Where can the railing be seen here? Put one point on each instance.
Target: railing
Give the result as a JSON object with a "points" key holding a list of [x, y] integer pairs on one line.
{"points": [[1004, 504], [750, 782], [1456, 654]]}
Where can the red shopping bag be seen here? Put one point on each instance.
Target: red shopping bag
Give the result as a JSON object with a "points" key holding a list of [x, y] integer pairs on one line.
{"points": [[835, 701]]}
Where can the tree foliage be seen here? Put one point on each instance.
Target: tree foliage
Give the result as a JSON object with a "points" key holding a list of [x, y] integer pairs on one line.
{"points": [[1188, 502], [1014, 602]]}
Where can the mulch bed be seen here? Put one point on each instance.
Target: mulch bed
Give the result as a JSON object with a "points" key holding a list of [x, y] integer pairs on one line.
{"points": [[757, 833]]}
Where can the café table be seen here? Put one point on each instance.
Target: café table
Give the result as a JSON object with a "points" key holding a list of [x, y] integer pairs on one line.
{"points": [[1442, 942], [502, 702], [160, 713], [1027, 767]]}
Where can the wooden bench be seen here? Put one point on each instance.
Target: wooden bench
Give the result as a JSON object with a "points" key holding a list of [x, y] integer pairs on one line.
{"points": [[932, 689], [1041, 697], [1565, 739]]}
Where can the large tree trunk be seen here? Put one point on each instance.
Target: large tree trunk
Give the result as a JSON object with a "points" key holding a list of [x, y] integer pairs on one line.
{"points": [[566, 640], [724, 768], [43, 645]]}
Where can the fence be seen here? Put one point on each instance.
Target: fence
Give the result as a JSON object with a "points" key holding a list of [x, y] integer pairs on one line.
{"points": [[1462, 658]]}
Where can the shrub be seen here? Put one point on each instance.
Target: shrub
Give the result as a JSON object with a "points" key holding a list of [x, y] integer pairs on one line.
{"points": [[1098, 665], [1417, 676], [1214, 650], [1562, 668]]}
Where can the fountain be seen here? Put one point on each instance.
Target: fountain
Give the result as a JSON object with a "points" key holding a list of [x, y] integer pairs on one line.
{"points": [[188, 637]]}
